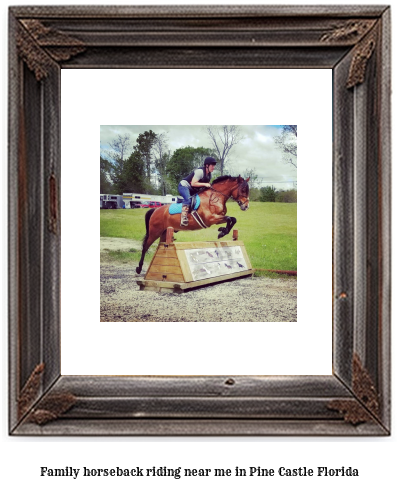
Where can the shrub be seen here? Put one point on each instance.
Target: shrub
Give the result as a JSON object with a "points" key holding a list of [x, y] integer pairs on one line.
{"points": [[289, 196]]}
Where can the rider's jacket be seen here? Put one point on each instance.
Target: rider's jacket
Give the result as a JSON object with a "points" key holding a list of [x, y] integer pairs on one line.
{"points": [[205, 179]]}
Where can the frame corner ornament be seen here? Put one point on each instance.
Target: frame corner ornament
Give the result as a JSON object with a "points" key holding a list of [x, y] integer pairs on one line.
{"points": [[367, 405], [39, 46], [363, 52], [364, 387], [51, 408], [351, 410], [351, 31], [30, 391]]}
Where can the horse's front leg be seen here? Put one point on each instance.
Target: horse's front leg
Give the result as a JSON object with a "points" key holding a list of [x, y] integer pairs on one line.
{"points": [[223, 231], [230, 221]]}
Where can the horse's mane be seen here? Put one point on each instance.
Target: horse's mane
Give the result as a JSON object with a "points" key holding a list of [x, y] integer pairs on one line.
{"points": [[244, 185], [221, 178]]}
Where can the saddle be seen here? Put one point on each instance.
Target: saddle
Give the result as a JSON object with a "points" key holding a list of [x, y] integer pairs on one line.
{"points": [[175, 208]]}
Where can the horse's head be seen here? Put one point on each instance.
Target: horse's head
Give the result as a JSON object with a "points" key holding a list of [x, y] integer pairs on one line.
{"points": [[236, 188], [241, 193]]}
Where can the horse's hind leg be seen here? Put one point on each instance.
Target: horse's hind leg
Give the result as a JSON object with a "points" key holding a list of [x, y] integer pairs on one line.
{"points": [[162, 238], [143, 252], [146, 244], [149, 238]]}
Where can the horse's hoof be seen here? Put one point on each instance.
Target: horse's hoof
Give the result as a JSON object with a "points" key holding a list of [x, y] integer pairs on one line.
{"points": [[221, 234], [138, 270]]}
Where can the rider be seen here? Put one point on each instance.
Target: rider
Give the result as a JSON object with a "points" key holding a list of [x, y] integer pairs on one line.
{"points": [[198, 178]]}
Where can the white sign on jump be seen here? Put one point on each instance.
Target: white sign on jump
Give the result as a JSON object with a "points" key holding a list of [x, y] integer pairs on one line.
{"points": [[213, 262]]}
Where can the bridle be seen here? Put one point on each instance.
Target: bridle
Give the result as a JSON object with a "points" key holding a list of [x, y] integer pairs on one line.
{"points": [[237, 200]]}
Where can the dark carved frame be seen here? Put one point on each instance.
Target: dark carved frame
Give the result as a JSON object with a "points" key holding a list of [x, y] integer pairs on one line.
{"points": [[353, 41]]}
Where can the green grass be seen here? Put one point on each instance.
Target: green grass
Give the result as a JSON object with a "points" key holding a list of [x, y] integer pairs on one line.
{"points": [[269, 231], [133, 255]]}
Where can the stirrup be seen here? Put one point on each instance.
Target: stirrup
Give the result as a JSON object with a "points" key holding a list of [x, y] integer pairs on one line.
{"points": [[184, 218]]}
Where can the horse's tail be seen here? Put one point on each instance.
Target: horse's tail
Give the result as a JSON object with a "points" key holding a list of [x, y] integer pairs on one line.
{"points": [[147, 232], [147, 224]]}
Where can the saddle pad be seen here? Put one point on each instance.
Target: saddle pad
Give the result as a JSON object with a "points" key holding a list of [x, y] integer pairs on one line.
{"points": [[175, 208]]}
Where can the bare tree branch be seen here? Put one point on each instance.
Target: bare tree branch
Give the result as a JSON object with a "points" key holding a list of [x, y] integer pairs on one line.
{"points": [[120, 147], [161, 156], [223, 139], [287, 143], [160, 146]]}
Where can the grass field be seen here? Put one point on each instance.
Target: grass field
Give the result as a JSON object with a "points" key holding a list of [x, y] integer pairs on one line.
{"points": [[269, 231]]}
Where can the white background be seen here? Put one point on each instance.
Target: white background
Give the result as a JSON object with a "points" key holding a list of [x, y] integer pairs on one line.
{"points": [[376, 458], [247, 97]]}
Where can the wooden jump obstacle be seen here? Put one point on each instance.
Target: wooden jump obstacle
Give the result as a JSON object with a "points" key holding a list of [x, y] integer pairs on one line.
{"points": [[178, 267]]}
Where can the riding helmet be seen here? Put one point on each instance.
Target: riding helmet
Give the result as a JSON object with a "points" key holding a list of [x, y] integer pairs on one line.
{"points": [[209, 160]]}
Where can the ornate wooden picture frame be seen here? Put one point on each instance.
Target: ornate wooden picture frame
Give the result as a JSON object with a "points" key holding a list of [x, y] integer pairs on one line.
{"points": [[352, 41]]}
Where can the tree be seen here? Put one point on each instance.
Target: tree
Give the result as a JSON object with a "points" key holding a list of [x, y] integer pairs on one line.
{"points": [[289, 196], [161, 160], [129, 175], [287, 143], [268, 194], [120, 147], [105, 172], [254, 194], [134, 173], [145, 142], [161, 165], [223, 138], [183, 161], [251, 174]]}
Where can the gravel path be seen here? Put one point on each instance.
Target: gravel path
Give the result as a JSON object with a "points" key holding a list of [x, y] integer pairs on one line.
{"points": [[242, 300]]}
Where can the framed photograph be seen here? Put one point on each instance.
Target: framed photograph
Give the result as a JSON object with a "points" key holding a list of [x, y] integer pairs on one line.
{"points": [[149, 188], [352, 44]]}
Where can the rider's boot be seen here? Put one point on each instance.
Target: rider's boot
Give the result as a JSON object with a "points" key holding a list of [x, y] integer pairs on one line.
{"points": [[184, 216]]}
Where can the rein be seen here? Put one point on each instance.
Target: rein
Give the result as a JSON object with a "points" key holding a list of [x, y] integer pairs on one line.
{"points": [[230, 196]]}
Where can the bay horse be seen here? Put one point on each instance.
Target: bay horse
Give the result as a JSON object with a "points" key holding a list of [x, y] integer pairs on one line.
{"points": [[212, 210]]}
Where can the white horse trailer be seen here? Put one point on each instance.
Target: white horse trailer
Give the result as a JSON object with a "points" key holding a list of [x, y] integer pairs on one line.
{"points": [[111, 201], [133, 199]]}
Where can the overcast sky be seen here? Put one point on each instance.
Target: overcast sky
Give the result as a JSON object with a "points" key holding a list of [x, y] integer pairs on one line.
{"points": [[256, 150]]}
